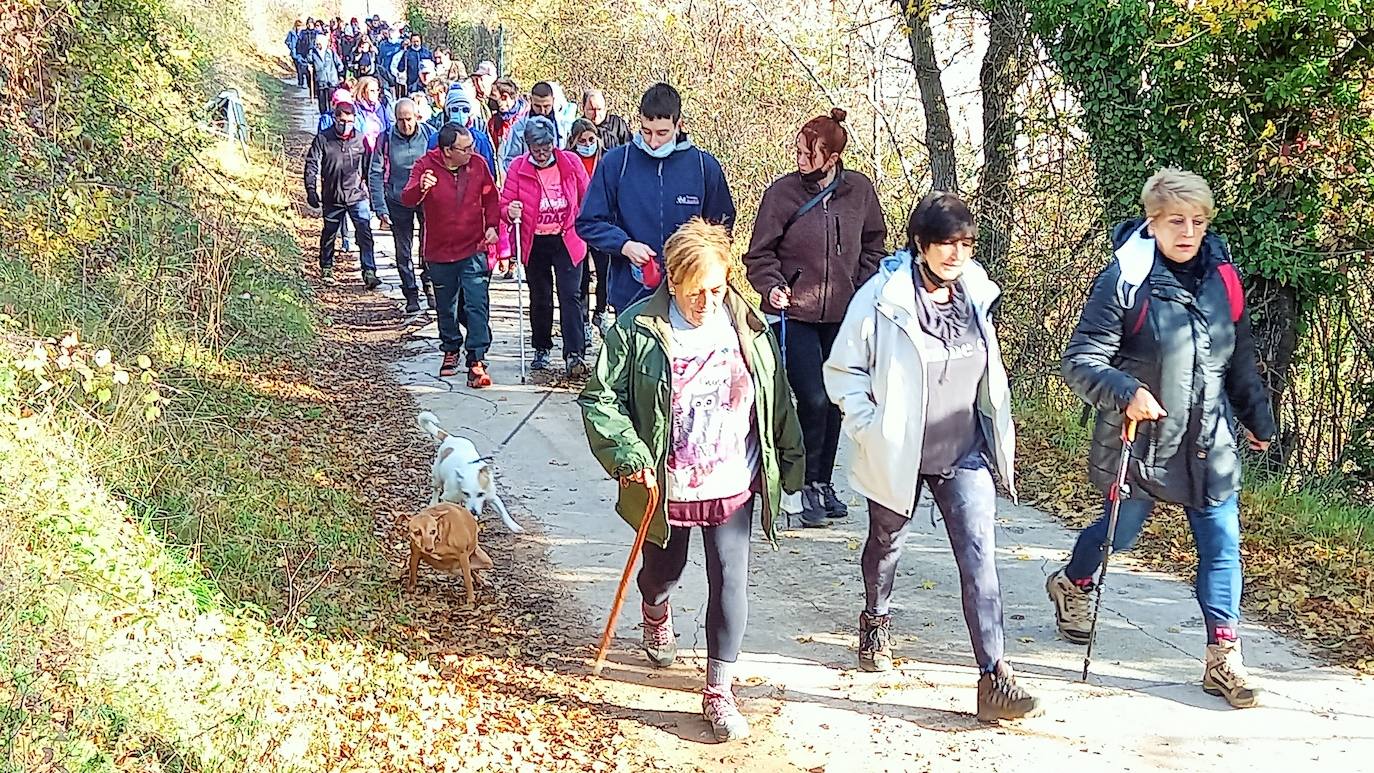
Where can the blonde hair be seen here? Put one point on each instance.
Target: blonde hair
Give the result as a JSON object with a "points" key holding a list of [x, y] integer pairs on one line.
{"points": [[694, 248], [1170, 186], [367, 80]]}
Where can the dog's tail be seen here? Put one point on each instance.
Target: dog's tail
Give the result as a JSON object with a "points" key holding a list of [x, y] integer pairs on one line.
{"points": [[430, 423]]}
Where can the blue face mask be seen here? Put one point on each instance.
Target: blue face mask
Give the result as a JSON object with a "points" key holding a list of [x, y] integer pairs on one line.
{"points": [[663, 152], [545, 163], [460, 115], [588, 150]]}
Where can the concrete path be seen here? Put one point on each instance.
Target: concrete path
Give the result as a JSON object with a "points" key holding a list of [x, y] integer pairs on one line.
{"points": [[811, 709]]}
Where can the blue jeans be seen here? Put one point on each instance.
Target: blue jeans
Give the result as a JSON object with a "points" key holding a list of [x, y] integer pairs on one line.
{"points": [[361, 216], [1216, 530], [461, 290]]}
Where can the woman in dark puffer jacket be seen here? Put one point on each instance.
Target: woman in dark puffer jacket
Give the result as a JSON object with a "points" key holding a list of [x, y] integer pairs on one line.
{"points": [[1165, 340]]}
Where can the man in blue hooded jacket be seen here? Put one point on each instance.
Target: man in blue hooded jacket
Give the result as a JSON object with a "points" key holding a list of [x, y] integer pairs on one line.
{"points": [[642, 192], [458, 109]]}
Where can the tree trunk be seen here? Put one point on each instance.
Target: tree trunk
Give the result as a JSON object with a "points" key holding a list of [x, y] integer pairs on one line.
{"points": [[1274, 320], [939, 136], [1005, 66]]}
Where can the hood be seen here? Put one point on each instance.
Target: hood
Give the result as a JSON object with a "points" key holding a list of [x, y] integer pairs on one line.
{"points": [[1135, 252], [982, 291]]}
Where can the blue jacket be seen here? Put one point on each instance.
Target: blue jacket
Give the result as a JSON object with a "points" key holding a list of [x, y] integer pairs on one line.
{"points": [[291, 37], [635, 197], [328, 68], [408, 66], [386, 54], [480, 139]]}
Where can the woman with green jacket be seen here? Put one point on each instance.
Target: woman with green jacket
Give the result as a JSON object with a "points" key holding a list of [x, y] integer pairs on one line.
{"points": [[688, 394]]}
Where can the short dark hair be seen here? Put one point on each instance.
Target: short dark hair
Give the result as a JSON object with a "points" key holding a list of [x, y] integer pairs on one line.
{"points": [[940, 217], [661, 101], [343, 108], [541, 89], [449, 134]]}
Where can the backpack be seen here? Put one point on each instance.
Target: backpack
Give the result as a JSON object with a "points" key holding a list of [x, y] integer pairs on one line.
{"points": [[1134, 297]]}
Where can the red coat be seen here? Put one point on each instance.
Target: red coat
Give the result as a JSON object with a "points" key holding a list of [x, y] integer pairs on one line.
{"points": [[455, 222]]}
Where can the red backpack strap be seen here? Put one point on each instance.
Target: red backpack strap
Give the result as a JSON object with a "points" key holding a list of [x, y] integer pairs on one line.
{"points": [[1142, 311], [1235, 294]]}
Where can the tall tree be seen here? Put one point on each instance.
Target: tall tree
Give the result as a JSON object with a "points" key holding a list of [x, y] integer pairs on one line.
{"points": [[944, 170], [1005, 66]]}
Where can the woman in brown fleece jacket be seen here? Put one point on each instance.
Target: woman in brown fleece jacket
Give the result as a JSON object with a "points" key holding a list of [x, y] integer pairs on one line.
{"points": [[836, 244]]}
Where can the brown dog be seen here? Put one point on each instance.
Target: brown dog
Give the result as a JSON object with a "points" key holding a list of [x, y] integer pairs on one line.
{"points": [[445, 537]]}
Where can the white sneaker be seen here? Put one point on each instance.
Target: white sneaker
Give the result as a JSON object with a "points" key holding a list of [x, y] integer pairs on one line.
{"points": [[718, 707]]}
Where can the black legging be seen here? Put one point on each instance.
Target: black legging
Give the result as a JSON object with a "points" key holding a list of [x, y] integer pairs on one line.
{"points": [[600, 261], [808, 346], [727, 578]]}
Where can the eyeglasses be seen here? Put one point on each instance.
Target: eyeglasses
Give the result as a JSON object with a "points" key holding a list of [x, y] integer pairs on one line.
{"points": [[462, 148], [542, 152]]}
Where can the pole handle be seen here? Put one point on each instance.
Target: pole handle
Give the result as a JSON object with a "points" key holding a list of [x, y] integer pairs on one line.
{"points": [[1128, 430]]}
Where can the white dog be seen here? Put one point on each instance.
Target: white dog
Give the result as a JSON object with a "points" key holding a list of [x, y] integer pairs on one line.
{"points": [[460, 475]]}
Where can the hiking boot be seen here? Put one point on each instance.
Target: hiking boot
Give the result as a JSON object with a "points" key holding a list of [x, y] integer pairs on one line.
{"points": [[658, 640], [578, 368], [327, 275], [834, 508], [477, 376], [813, 512], [1072, 607], [412, 302], [718, 707], [541, 360], [449, 366], [1225, 675], [1000, 697], [875, 642], [370, 280]]}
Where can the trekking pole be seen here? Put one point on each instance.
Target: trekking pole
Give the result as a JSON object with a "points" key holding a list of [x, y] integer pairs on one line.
{"points": [[520, 296], [1120, 491], [649, 511], [782, 323]]}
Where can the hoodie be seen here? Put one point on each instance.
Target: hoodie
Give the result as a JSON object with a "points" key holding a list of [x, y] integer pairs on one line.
{"points": [[635, 197]]}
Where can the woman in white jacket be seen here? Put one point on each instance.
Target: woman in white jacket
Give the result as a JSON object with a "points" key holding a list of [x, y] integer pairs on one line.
{"points": [[918, 374]]}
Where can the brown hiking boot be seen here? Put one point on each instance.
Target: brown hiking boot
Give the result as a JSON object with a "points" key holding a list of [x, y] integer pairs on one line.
{"points": [[477, 376], [1072, 607], [1225, 675], [450, 365], [1000, 697], [875, 642]]}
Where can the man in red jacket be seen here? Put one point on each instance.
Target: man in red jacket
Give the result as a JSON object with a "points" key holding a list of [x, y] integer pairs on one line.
{"points": [[459, 201]]}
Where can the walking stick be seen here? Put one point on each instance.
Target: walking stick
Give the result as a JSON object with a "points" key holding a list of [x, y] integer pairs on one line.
{"points": [[649, 511], [520, 295], [782, 330], [1120, 490]]}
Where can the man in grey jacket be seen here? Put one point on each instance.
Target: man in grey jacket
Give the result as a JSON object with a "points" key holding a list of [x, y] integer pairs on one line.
{"points": [[328, 70], [396, 154]]}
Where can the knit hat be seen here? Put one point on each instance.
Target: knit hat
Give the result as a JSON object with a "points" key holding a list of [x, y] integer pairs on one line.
{"points": [[341, 96], [457, 96]]}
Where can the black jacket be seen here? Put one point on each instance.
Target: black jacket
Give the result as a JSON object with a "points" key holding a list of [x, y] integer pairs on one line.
{"points": [[1189, 354], [340, 165], [613, 132]]}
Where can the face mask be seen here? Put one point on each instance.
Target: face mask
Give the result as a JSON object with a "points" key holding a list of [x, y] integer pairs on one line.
{"points": [[814, 176], [460, 116], [345, 128], [662, 153], [588, 150], [546, 163]]}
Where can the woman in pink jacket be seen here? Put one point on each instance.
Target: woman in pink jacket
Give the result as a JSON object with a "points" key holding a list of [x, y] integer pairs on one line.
{"points": [[544, 190]]}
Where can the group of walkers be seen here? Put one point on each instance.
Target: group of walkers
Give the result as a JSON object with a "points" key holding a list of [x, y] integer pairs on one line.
{"points": [[712, 402], [490, 181]]}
